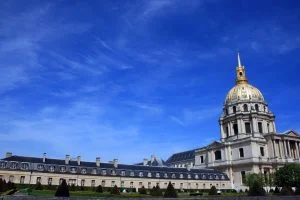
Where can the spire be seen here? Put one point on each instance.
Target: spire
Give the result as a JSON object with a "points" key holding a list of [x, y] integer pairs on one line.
{"points": [[240, 72], [239, 60]]}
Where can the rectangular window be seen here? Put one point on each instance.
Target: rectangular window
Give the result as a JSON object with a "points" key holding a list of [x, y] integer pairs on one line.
{"points": [[149, 184], [260, 130], [60, 180], [262, 151], [248, 127], [218, 155], [181, 185], [11, 179], [72, 182], [202, 159], [22, 179], [241, 152], [140, 184], [103, 183], [104, 172], [235, 129], [82, 182], [122, 184], [113, 184], [49, 181], [93, 183], [131, 184], [38, 180], [243, 175]]}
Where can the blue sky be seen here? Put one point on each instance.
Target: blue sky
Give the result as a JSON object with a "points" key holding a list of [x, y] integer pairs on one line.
{"points": [[127, 79]]}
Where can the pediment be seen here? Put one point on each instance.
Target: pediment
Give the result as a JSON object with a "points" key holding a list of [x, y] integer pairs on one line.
{"points": [[291, 133]]}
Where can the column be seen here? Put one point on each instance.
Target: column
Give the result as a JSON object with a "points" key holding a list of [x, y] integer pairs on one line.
{"points": [[230, 128], [279, 149], [239, 123], [254, 125], [274, 149], [289, 148], [297, 149], [285, 149], [274, 127]]}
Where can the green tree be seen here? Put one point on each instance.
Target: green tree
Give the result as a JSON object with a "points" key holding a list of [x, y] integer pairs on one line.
{"points": [[99, 189], [255, 182], [62, 190], [213, 190], [2, 186], [170, 192], [288, 176], [156, 191], [142, 190], [115, 190], [38, 186]]}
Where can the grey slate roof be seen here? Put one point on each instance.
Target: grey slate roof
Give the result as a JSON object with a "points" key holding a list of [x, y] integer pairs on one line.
{"points": [[182, 157], [36, 164]]}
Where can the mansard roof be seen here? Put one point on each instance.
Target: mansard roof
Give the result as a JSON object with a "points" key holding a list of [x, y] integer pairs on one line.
{"points": [[182, 156], [34, 164]]}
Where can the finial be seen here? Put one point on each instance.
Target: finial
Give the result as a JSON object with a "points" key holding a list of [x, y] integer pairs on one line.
{"points": [[239, 60]]}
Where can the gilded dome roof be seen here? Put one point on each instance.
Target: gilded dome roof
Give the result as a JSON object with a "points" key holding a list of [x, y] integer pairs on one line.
{"points": [[244, 92]]}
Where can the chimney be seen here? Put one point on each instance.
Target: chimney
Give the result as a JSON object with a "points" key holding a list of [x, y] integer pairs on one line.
{"points": [[78, 160], [145, 163], [98, 161], [116, 162], [44, 157], [152, 158], [8, 154], [67, 160]]}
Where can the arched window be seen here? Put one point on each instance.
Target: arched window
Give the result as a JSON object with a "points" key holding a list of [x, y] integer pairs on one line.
{"points": [[234, 109], [245, 108], [256, 107], [218, 155]]}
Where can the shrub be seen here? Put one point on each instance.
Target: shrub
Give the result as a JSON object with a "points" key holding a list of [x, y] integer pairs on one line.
{"points": [[271, 190], [142, 190], [213, 190], [156, 191], [115, 190], [2, 185], [10, 186], [256, 189], [246, 191], [297, 192], [99, 189], [241, 191], [276, 190], [38, 186], [72, 187], [62, 190], [286, 191], [170, 192]]}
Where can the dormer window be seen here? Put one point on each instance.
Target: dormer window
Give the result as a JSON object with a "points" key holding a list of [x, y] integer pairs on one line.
{"points": [[51, 168], [181, 176], [103, 171], [149, 174], [203, 176], [40, 167], [123, 173], [189, 176], [131, 173], [2, 165], [196, 176], [73, 170], [113, 172], [83, 171], [13, 165], [25, 166], [62, 169], [173, 176], [94, 171], [157, 175], [165, 175], [141, 174]]}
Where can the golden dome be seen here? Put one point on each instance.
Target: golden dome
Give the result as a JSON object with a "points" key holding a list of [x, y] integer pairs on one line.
{"points": [[244, 92]]}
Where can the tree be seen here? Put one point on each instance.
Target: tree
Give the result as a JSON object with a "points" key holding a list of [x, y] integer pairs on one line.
{"points": [[2, 186], [170, 192], [10, 186], [99, 189], [142, 190], [156, 191], [62, 190], [255, 183], [213, 190], [38, 186], [115, 190], [288, 176]]}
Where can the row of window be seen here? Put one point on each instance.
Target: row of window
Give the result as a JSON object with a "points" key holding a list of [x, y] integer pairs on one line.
{"points": [[245, 109], [131, 173], [247, 128], [103, 183]]}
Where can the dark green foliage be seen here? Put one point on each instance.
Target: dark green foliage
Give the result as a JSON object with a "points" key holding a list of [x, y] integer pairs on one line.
{"points": [[10, 186], [2, 185], [156, 191], [170, 192], [99, 189], [286, 191], [213, 190], [256, 189], [271, 190], [81, 188], [73, 187], [38, 186], [62, 190], [276, 191], [297, 192], [288, 176], [115, 190], [241, 191], [246, 191], [233, 191], [142, 190], [133, 190]]}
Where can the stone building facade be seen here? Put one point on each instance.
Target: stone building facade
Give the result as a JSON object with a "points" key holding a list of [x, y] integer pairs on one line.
{"points": [[249, 141]]}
